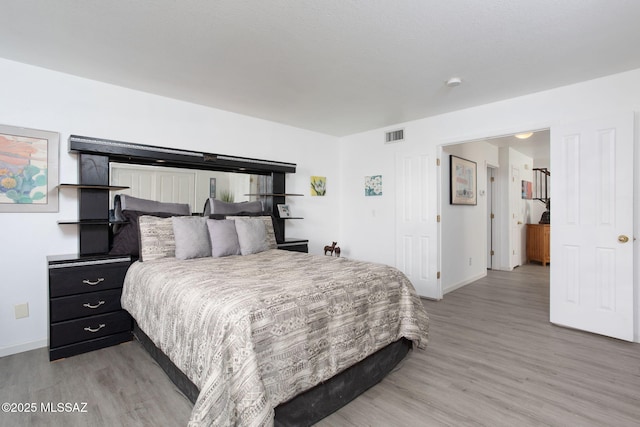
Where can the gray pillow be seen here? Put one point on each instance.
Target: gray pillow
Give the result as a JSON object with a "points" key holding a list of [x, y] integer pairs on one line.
{"points": [[268, 223], [252, 235], [192, 237], [224, 238], [218, 207], [124, 202]]}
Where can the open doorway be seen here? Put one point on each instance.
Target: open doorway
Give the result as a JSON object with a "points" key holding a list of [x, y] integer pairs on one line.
{"points": [[593, 265], [491, 234]]}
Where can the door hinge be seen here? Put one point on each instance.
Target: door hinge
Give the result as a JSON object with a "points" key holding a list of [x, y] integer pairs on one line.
{"points": [[437, 162], [492, 253], [438, 275], [492, 179], [437, 218], [492, 216]]}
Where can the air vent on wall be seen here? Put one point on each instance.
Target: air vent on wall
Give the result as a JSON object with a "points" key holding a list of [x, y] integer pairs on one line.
{"points": [[394, 136]]}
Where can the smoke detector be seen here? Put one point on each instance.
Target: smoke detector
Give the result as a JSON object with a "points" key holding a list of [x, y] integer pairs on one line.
{"points": [[454, 81]]}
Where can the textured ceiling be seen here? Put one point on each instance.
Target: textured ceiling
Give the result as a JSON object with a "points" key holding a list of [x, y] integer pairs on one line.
{"points": [[332, 66]]}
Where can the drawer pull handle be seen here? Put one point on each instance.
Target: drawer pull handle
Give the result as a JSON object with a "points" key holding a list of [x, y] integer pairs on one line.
{"points": [[93, 283], [93, 306], [102, 325]]}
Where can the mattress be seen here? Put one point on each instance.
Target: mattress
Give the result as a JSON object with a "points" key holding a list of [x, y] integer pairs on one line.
{"points": [[252, 332]]}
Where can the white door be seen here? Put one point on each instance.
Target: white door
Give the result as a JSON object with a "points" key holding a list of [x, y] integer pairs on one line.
{"points": [[592, 226], [175, 187], [416, 223], [155, 183]]}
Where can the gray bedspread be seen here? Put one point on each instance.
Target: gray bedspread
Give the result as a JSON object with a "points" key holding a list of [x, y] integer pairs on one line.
{"points": [[253, 331]]}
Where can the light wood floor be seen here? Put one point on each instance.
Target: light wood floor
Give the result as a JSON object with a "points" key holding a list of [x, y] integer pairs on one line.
{"points": [[493, 360]]}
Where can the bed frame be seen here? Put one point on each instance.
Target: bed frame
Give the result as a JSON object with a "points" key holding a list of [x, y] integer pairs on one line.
{"points": [[314, 404], [94, 157]]}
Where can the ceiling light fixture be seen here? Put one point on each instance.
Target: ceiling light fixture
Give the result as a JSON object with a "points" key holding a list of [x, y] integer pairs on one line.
{"points": [[524, 135], [454, 81]]}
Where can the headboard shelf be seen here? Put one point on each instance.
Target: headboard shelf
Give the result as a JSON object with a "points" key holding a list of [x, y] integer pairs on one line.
{"points": [[273, 194], [95, 187], [90, 221]]}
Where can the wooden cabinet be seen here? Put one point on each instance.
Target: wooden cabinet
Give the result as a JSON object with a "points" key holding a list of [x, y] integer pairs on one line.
{"points": [[538, 243], [84, 303]]}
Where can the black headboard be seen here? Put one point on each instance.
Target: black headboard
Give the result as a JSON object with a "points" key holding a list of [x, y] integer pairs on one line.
{"points": [[127, 152], [95, 154]]}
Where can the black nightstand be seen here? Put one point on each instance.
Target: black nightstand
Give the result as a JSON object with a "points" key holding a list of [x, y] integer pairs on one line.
{"points": [[84, 303], [295, 245]]}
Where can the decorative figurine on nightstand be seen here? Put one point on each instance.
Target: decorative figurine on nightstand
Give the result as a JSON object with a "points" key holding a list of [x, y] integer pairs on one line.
{"points": [[333, 249], [330, 249]]}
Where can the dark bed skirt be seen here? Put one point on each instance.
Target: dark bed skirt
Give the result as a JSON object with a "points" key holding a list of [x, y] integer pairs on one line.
{"points": [[314, 404]]}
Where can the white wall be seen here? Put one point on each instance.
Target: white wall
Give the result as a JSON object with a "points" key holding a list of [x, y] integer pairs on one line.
{"points": [[37, 98], [364, 227], [464, 228], [512, 209], [367, 223], [364, 153]]}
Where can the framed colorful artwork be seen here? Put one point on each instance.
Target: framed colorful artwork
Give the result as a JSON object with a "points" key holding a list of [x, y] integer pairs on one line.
{"points": [[28, 170], [318, 185], [527, 190], [463, 181], [373, 185]]}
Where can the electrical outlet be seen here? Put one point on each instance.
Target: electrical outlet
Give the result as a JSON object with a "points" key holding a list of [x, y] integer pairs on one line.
{"points": [[22, 310]]}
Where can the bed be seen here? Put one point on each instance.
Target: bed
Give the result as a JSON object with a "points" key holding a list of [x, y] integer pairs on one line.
{"points": [[251, 331]]}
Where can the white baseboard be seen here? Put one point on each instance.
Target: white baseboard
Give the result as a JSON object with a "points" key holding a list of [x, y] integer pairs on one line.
{"points": [[15, 349], [455, 286]]}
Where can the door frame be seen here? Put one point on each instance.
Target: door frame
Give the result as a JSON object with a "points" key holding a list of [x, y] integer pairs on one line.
{"points": [[491, 209]]}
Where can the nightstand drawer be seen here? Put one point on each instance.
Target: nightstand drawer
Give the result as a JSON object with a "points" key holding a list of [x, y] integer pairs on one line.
{"points": [[87, 328], [90, 345], [70, 280], [90, 304]]}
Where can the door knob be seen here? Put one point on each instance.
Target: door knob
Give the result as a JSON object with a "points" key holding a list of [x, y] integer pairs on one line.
{"points": [[623, 239]]}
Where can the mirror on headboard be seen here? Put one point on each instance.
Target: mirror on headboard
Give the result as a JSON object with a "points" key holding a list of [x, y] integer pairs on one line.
{"points": [[177, 185], [96, 155]]}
